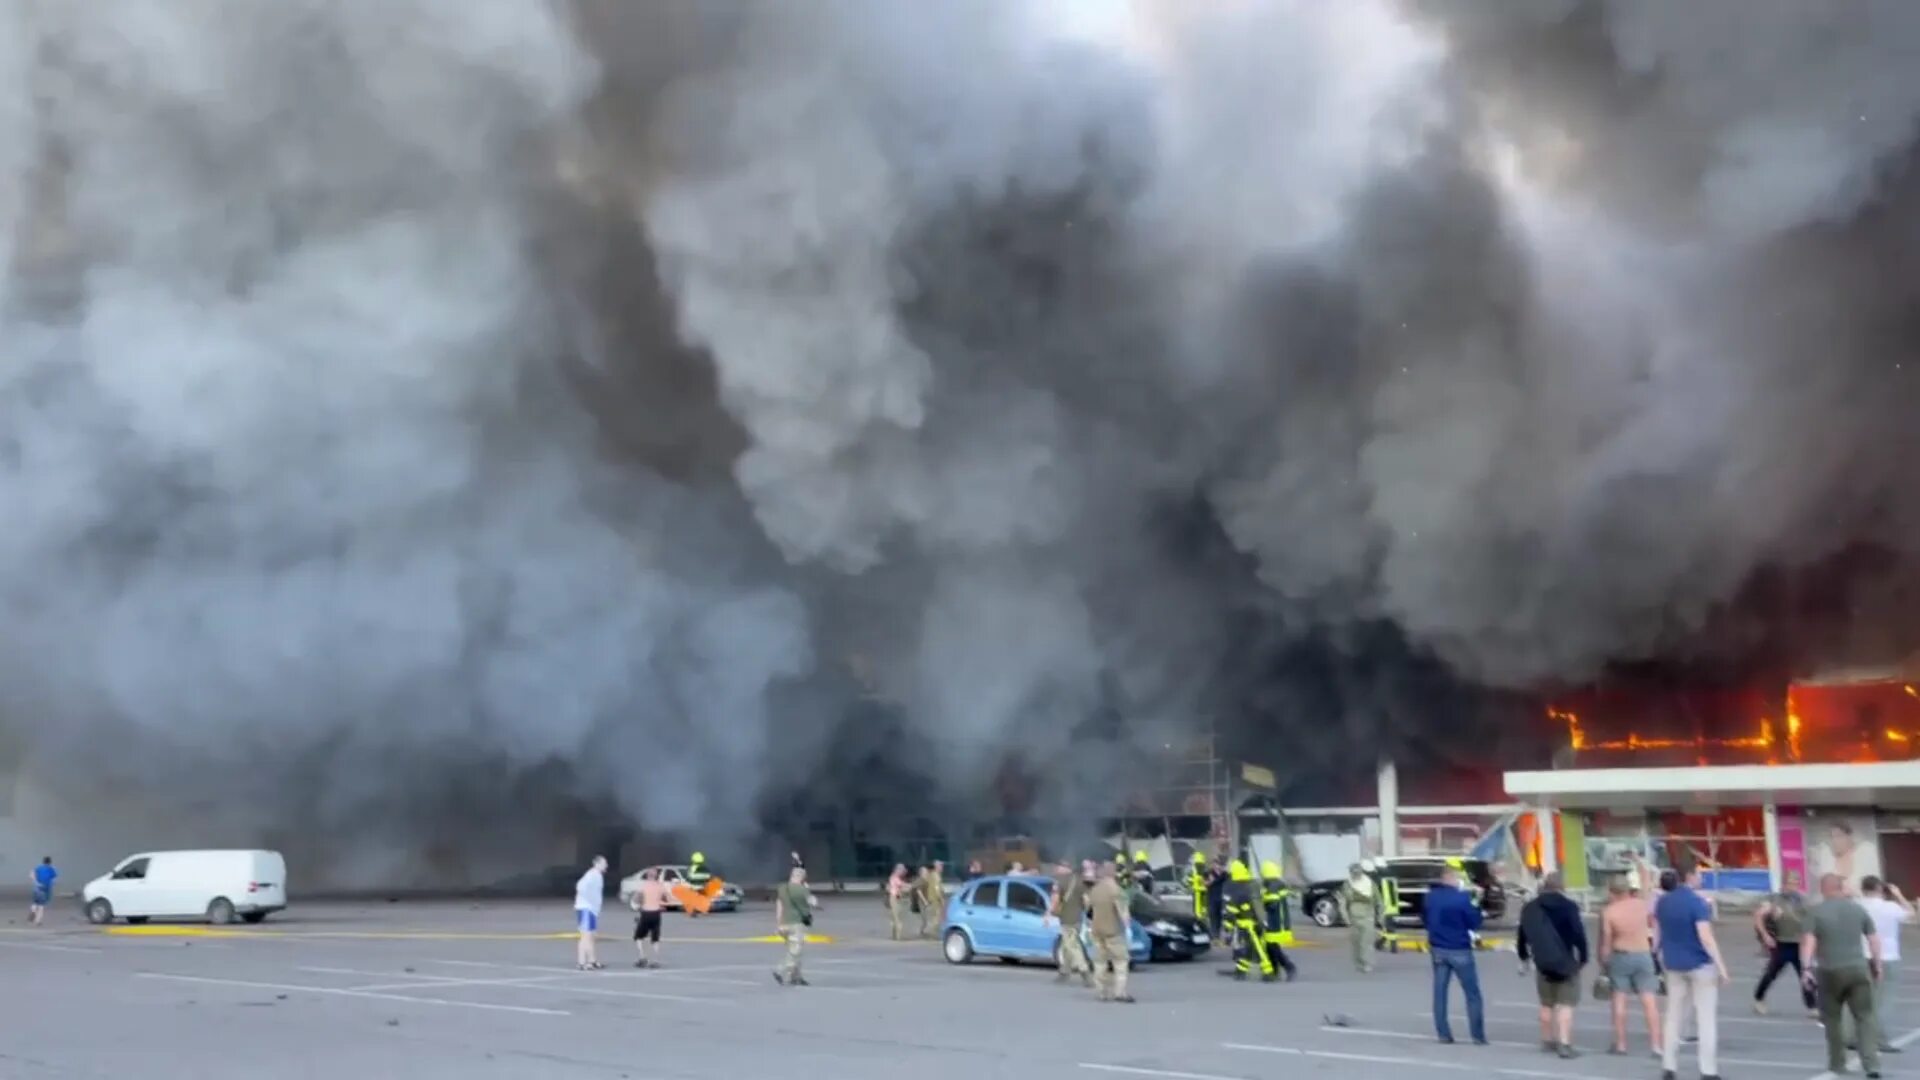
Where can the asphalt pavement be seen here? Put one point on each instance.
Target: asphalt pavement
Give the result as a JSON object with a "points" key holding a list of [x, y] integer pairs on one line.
{"points": [[488, 990]]}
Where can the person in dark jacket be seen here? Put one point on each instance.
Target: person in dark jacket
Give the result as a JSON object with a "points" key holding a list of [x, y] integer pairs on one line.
{"points": [[1553, 937], [1451, 919]]}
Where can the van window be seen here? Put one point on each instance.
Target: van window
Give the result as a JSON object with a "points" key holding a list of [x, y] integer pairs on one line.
{"points": [[133, 871]]}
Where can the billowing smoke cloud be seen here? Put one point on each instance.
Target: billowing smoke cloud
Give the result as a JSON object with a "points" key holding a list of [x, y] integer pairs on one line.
{"points": [[424, 412]]}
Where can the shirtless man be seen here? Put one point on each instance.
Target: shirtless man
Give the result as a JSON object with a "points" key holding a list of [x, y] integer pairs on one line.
{"points": [[649, 900], [1626, 955]]}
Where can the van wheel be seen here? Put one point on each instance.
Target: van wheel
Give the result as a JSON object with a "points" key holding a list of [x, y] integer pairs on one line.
{"points": [[1325, 912], [956, 948], [136, 920], [100, 913], [253, 916], [220, 912]]}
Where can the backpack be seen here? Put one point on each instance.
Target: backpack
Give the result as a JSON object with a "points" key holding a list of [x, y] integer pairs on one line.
{"points": [[1550, 953]]}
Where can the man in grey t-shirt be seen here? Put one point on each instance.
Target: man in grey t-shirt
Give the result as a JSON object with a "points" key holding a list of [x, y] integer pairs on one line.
{"points": [[1836, 930]]}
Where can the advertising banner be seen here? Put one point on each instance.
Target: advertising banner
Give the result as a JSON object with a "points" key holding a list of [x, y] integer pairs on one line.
{"points": [[1840, 842]]}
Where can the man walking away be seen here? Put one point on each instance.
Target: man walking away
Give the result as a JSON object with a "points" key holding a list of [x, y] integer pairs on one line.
{"points": [[649, 900], [897, 899], [1069, 912], [1451, 921], [588, 892], [1845, 972], [1111, 922], [1626, 954], [1695, 973], [1554, 940], [44, 876], [1888, 909], [793, 905], [1356, 903], [1779, 922], [933, 898]]}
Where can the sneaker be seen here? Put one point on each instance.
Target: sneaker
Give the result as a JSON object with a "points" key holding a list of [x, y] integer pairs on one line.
{"points": [[1548, 1046], [1617, 1051], [779, 978], [798, 981], [1666, 1074], [1760, 1008], [1889, 1049], [1446, 1040], [639, 963], [1125, 999], [1481, 1041], [1566, 1052]]}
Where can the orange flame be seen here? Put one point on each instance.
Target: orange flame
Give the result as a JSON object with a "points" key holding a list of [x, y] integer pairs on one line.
{"points": [[1577, 737]]}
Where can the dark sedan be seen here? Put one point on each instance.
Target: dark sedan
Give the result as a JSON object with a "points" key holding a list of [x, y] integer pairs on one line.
{"points": [[1173, 932], [1413, 876]]}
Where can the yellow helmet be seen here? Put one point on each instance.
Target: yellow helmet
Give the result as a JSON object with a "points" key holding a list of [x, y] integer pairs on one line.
{"points": [[1199, 858], [1239, 872], [697, 857], [1140, 856], [1270, 870]]}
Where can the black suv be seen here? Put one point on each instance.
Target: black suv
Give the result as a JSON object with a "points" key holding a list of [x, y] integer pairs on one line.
{"points": [[1413, 875]]}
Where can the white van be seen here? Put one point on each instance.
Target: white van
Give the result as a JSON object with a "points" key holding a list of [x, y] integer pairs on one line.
{"points": [[214, 885]]}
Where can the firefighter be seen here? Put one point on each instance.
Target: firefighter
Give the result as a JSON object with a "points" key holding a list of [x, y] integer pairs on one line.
{"points": [[1238, 903], [1142, 873], [1197, 885], [1387, 898], [1278, 930], [698, 878]]}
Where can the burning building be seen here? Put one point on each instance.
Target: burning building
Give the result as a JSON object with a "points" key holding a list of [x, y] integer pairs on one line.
{"points": [[1759, 786]]}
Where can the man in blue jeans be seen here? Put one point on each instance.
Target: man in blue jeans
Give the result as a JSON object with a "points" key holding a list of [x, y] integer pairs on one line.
{"points": [[1451, 919]]}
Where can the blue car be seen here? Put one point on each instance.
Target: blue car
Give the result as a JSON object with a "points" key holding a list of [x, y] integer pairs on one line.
{"points": [[1005, 917]]}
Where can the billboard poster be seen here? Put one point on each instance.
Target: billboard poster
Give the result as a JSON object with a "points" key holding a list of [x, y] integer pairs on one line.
{"points": [[1793, 852], [1840, 842]]}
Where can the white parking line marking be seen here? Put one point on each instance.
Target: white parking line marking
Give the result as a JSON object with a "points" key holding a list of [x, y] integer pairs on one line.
{"points": [[1591, 1022], [1534, 1007], [1382, 1033], [1135, 1070], [1429, 1063], [535, 984], [1853, 1060], [290, 988]]}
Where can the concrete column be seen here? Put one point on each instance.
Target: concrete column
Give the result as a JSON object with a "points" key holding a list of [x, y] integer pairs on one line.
{"points": [[1549, 841], [1770, 823], [1389, 796]]}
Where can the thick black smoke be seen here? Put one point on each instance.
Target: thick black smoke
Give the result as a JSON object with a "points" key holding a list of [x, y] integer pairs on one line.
{"points": [[435, 417]]}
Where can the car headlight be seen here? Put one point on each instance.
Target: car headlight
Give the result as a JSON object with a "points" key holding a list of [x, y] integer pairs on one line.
{"points": [[1162, 926]]}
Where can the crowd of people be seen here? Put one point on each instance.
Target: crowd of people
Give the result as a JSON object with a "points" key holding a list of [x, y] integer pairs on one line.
{"points": [[1845, 951]]}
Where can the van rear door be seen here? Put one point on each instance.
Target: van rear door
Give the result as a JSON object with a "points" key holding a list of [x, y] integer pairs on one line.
{"points": [[267, 881]]}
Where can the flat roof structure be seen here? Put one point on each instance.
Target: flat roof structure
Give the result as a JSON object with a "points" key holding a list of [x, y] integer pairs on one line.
{"points": [[1889, 784]]}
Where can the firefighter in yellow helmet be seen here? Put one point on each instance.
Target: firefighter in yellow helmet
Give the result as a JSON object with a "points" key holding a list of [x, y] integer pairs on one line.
{"points": [[699, 878], [1142, 873], [1278, 930], [1239, 905], [1197, 885]]}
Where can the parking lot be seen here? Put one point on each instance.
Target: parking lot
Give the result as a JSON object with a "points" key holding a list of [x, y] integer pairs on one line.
{"points": [[429, 990]]}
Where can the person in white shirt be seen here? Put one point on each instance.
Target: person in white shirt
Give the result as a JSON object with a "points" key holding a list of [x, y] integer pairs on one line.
{"points": [[588, 892], [1888, 909]]}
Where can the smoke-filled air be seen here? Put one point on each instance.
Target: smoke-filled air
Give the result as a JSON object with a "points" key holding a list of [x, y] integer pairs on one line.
{"points": [[418, 417]]}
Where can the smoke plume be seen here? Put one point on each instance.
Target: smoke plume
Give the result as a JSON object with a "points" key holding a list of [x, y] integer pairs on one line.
{"points": [[420, 417]]}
